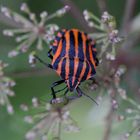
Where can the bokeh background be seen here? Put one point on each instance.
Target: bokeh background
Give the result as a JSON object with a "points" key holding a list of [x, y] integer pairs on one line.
{"points": [[36, 82]]}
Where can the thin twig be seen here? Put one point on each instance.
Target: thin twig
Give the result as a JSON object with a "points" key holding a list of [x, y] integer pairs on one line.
{"points": [[102, 4], [30, 73], [109, 120], [128, 15], [130, 62], [132, 41], [129, 59], [78, 16]]}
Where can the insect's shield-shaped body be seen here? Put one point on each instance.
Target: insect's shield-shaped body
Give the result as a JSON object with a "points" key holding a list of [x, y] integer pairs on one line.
{"points": [[74, 57]]}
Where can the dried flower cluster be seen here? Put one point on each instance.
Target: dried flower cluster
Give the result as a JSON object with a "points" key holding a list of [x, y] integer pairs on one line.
{"points": [[131, 114], [49, 120], [31, 29], [5, 89], [106, 34]]}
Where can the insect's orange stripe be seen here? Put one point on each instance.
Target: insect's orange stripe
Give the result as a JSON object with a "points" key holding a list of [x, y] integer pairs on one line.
{"points": [[67, 68], [59, 67], [84, 44], [76, 61], [58, 52], [83, 71], [67, 37], [84, 63], [89, 73], [75, 32]]}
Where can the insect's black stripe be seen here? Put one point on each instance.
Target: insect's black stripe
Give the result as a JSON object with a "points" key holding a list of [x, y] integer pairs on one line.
{"points": [[80, 47], [80, 55], [86, 72], [63, 72], [70, 82], [93, 52], [71, 67], [87, 51], [71, 53], [88, 57], [55, 64], [72, 44], [62, 53]]}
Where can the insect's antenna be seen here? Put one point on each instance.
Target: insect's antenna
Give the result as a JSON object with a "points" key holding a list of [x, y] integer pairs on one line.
{"points": [[41, 61], [86, 95]]}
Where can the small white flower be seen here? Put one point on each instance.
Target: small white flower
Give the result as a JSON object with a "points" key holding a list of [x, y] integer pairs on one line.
{"points": [[35, 102], [28, 119], [24, 107], [24, 7], [8, 33], [32, 59], [10, 109], [110, 56], [13, 53], [43, 14], [86, 15]]}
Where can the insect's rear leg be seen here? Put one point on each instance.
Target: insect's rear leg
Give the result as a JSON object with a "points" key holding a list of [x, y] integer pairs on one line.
{"points": [[79, 91]]}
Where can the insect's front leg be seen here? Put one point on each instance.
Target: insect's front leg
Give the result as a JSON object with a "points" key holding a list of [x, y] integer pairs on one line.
{"points": [[53, 91], [44, 63]]}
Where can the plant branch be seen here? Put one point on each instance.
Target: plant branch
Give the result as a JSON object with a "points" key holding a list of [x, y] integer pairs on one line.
{"points": [[78, 16], [128, 15], [30, 73], [109, 120], [102, 4], [130, 62], [129, 59]]}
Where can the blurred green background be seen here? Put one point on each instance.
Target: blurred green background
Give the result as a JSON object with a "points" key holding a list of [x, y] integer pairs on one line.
{"points": [[91, 118]]}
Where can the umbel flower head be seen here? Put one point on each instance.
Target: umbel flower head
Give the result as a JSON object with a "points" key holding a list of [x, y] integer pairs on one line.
{"points": [[106, 33], [49, 121], [31, 30], [5, 89]]}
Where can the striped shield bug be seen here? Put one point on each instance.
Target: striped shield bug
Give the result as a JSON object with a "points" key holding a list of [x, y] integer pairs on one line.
{"points": [[73, 57]]}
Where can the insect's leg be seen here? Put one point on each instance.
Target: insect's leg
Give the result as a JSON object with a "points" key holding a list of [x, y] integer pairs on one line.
{"points": [[66, 92], [54, 85], [79, 91], [61, 89], [44, 63], [94, 82], [49, 54]]}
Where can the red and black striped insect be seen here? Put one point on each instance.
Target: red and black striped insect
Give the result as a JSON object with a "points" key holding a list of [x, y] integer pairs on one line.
{"points": [[73, 56]]}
